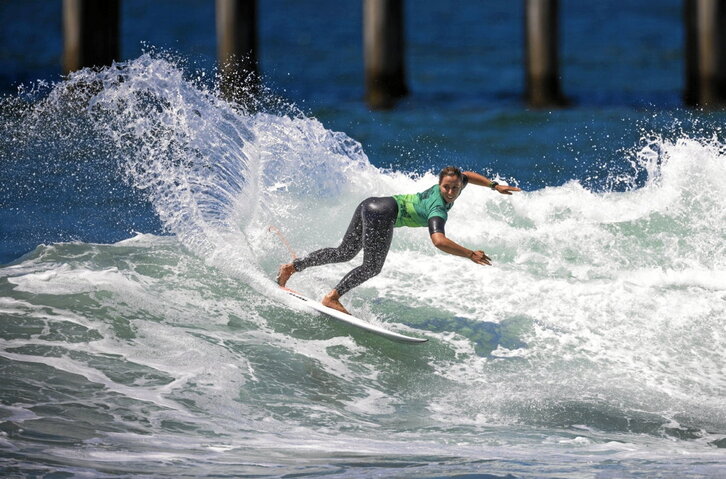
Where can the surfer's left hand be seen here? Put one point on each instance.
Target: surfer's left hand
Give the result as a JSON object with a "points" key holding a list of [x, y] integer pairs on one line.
{"points": [[506, 189]]}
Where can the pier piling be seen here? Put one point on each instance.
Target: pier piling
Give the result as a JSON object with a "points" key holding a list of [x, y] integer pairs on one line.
{"points": [[237, 47], [383, 43], [90, 33], [541, 53], [705, 35]]}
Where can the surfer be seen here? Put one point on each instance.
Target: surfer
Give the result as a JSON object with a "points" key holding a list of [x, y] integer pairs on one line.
{"points": [[371, 229]]}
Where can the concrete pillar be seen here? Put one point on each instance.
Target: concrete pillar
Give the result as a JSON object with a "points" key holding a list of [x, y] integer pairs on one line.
{"points": [[541, 53], [237, 47], [90, 33], [705, 27], [383, 43]]}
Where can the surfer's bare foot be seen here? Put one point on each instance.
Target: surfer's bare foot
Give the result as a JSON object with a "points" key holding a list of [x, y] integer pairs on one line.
{"points": [[286, 270], [332, 300]]}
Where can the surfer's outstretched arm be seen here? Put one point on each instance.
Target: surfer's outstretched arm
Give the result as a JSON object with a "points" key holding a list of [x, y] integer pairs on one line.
{"points": [[446, 245], [481, 180]]}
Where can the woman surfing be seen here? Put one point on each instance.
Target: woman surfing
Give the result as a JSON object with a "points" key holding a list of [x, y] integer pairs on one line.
{"points": [[373, 222]]}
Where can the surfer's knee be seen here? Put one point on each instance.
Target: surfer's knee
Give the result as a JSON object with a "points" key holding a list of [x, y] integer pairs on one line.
{"points": [[349, 248], [374, 264], [368, 271], [375, 269], [348, 253]]}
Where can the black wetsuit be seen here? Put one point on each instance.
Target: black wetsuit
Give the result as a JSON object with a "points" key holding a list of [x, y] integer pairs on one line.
{"points": [[370, 229]]}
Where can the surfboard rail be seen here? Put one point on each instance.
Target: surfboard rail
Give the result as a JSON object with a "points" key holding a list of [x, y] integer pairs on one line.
{"points": [[352, 320]]}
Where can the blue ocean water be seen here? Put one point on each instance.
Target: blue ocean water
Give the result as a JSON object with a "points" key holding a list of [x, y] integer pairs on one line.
{"points": [[141, 336]]}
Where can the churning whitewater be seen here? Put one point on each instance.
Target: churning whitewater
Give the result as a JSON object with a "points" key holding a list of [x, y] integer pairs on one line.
{"points": [[597, 336]]}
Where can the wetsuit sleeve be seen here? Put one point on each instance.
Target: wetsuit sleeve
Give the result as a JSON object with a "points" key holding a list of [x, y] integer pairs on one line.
{"points": [[436, 225]]}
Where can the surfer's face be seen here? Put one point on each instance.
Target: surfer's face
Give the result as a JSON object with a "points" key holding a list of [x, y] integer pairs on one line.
{"points": [[451, 187]]}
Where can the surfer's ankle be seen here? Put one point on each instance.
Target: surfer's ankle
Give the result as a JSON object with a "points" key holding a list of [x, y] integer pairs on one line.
{"points": [[336, 306], [286, 270], [332, 300]]}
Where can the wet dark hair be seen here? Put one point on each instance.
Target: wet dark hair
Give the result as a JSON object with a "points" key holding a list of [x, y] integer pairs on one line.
{"points": [[452, 171]]}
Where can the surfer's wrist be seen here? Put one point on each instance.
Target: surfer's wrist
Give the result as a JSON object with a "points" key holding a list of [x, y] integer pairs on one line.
{"points": [[493, 185]]}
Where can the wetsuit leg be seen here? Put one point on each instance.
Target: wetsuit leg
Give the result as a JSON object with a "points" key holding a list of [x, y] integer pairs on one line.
{"points": [[370, 229], [351, 244], [378, 218]]}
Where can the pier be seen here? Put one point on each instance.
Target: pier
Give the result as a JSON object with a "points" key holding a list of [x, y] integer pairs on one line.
{"points": [[237, 46], [90, 33], [541, 48], [383, 46], [705, 33], [91, 39]]}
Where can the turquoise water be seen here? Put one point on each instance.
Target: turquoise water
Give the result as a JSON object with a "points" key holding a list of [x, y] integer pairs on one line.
{"points": [[141, 335]]}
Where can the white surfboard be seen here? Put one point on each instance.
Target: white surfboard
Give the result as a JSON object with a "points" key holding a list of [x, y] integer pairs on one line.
{"points": [[352, 320]]}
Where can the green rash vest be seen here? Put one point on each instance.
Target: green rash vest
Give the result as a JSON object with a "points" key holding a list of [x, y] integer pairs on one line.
{"points": [[416, 209]]}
